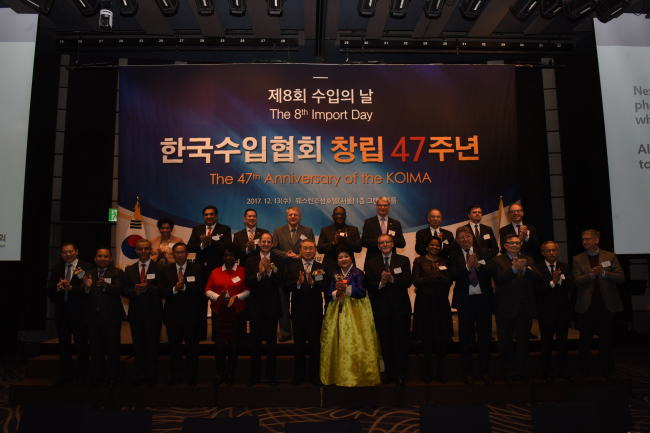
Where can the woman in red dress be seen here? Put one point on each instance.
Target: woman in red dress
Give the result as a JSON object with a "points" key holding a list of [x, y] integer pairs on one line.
{"points": [[227, 292]]}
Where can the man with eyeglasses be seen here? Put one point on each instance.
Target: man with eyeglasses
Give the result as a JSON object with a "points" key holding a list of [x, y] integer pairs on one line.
{"points": [[526, 232], [381, 224], [515, 279]]}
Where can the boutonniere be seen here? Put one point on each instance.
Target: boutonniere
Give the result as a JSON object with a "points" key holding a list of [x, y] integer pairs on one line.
{"points": [[78, 272], [273, 267], [318, 272]]}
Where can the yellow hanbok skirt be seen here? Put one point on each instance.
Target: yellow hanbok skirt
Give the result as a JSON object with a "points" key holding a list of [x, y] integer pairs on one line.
{"points": [[349, 345]]}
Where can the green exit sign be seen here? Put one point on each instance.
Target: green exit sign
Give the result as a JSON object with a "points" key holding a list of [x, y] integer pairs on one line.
{"points": [[112, 215]]}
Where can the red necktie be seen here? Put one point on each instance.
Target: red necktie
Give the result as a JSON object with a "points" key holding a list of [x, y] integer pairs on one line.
{"points": [[180, 274], [143, 273]]}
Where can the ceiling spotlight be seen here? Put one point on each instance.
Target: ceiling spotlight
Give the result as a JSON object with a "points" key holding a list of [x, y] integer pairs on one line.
{"points": [[275, 7], [237, 7], [127, 7], [367, 7], [550, 8], [523, 9], [609, 9], [86, 7], [471, 9], [433, 8], [204, 7], [42, 6], [398, 8], [167, 7], [578, 8]]}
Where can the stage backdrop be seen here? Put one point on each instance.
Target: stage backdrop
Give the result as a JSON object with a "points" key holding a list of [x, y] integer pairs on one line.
{"points": [[269, 136]]}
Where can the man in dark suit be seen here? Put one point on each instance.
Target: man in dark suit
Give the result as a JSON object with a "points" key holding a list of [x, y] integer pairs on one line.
{"points": [[473, 300], [526, 232], [183, 287], [65, 290], [264, 280], [208, 241], [515, 280], [145, 312], [553, 308], [286, 241], [104, 285], [388, 277], [596, 273], [246, 241], [484, 238], [336, 236], [306, 280], [378, 225], [422, 237]]}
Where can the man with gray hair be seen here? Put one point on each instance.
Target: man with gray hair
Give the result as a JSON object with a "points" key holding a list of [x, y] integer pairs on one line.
{"points": [[381, 224]]}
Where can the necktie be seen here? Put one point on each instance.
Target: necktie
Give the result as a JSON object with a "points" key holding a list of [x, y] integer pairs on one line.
{"points": [[517, 229], [180, 274], [68, 277], [552, 265], [293, 235], [143, 273], [477, 233], [251, 235], [383, 226], [473, 275], [387, 263], [435, 233], [308, 267], [208, 231]]}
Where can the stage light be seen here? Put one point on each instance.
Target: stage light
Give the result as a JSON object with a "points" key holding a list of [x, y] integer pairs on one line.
{"points": [[433, 8], [550, 8], [42, 6], [523, 9], [367, 7], [86, 7], [105, 16], [577, 9], [167, 7], [471, 9], [275, 8], [127, 7], [609, 9], [204, 7], [237, 7], [398, 8]]}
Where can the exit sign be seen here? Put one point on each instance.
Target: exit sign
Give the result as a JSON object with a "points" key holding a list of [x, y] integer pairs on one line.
{"points": [[112, 215]]}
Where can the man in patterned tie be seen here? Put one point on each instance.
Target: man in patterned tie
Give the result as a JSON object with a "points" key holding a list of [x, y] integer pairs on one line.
{"points": [[247, 240], [381, 224], [526, 232]]}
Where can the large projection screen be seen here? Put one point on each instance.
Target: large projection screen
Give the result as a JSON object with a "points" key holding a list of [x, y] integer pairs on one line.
{"points": [[17, 46], [624, 61]]}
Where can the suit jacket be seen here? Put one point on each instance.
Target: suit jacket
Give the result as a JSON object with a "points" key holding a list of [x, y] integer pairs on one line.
{"points": [[282, 238], [529, 247], [608, 284], [461, 275], [77, 297], [424, 236], [306, 300], [487, 240], [514, 292], [212, 255], [148, 304], [104, 300], [240, 239], [264, 298], [552, 301], [395, 293], [372, 230], [188, 305], [326, 246]]}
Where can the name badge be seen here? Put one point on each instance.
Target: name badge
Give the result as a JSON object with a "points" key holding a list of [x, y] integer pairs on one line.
{"points": [[391, 232], [442, 268], [303, 237], [482, 262], [606, 264], [343, 234], [216, 237], [236, 280], [397, 271], [256, 241], [318, 277], [562, 277], [108, 280], [151, 276], [81, 274], [486, 236], [190, 278]]}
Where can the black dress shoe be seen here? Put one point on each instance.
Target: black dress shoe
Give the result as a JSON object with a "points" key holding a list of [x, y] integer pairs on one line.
{"points": [[486, 379], [401, 381], [297, 380], [469, 380], [315, 381]]}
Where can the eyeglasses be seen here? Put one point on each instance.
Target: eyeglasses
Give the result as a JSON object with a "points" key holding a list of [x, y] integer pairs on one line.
{"points": [[513, 243]]}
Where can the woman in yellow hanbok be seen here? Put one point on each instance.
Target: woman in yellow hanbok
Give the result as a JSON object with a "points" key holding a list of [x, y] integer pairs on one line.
{"points": [[349, 346]]}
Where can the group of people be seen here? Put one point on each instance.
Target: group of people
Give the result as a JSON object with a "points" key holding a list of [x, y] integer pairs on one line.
{"points": [[350, 327]]}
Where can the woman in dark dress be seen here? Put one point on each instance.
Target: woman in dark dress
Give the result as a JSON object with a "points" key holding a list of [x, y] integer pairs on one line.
{"points": [[433, 323]]}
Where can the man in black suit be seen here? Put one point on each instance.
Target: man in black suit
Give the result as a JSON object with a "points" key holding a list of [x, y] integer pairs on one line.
{"points": [[422, 237], [182, 285], [208, 241], [553, 308], [515, 280], [336, 236], [145, 312], [378, 225], [246, 241], [473, 300], [286, 240], [306, 280], [65, 290], [264, 280], [388, 277], [526, 232], [484, 238], [104, 285]]}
